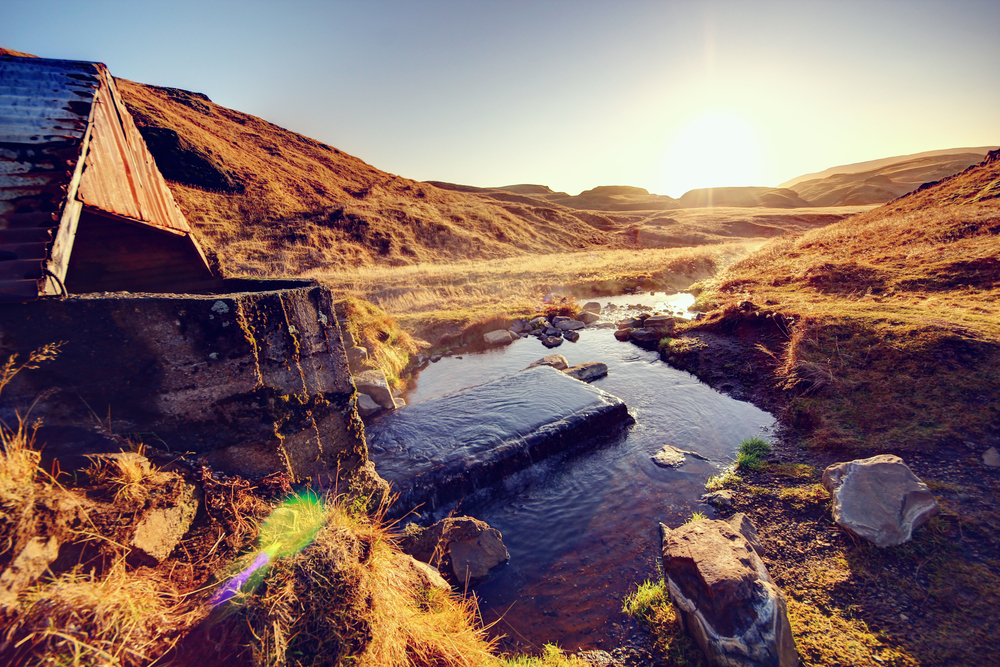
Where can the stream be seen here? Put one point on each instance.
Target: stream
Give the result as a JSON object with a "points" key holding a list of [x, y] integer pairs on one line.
{"points": [[582, 529]]}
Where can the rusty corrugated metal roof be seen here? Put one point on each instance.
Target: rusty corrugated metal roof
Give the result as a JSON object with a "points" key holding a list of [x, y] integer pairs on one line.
{"points": [[120, 176], [53, 115], [44, 112]]}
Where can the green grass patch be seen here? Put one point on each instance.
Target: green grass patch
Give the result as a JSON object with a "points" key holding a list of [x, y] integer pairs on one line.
{"points": [[650, 605], [751, 454], [727, 479], [552, 656]]}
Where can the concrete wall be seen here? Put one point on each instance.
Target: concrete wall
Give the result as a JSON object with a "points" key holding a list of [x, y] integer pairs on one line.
{"points": [[251, 383]]}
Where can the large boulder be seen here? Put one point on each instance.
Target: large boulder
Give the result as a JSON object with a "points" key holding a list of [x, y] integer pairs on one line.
{"points": [[588, 371], [879, 499], [373, 383], [464, 548], [557, 361], [499, 337], [725, 597]]}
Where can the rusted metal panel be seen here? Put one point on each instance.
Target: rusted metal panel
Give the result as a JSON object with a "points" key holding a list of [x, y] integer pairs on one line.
{"points": [[44, 113], [67, 141], [120, 176]]}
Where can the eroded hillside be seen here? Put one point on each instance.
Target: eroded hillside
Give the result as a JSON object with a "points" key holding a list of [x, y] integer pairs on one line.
{"points": [[268, 201], [884, 328]]}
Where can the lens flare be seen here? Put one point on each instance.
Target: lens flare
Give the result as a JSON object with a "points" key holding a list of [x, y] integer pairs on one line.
{"points": [[290, 528]]}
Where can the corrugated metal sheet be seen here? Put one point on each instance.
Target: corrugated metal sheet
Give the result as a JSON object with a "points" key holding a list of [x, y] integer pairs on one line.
{"points": [[44, 112], [53, 114], [120, 175]]}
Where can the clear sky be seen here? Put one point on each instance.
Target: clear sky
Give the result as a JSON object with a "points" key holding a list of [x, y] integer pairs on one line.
{"points": [[571, 94]]}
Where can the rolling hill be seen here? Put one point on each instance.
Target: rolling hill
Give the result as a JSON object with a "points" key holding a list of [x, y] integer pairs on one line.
{"points": [[895, 316], [879, 181]]}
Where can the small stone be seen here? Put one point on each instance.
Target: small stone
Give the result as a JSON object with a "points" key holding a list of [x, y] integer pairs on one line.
{"points": [[588, 371], [587, 317], [551, 341], [557, 361], [721, 498], [668, 457], [367, 407], [592, 307], [572, 336], [991, 457], [27, 566], [160, 530], [623, 334]]}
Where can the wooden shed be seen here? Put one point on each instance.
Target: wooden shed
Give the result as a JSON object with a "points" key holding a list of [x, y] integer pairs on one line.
{"points": [[83, 207]]}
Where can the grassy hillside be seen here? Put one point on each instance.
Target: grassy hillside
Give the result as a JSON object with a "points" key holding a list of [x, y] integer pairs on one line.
{"points": [[883, 329], [268, 201], [882, 184]]}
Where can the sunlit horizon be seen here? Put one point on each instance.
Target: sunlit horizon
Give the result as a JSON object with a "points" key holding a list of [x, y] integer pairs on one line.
{"points": [[572, 95]]}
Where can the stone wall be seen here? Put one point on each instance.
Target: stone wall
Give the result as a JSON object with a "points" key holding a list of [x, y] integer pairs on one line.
{"points": [[249, 383]]}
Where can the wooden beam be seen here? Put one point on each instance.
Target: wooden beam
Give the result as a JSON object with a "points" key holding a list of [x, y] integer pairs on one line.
{"points": [[62, 247]]}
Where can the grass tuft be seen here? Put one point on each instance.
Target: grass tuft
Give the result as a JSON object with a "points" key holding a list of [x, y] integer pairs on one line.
{"points": [[751, 453], [651, 606]]}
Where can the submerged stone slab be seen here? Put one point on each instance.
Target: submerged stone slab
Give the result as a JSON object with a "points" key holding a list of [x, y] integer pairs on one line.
{"points": [[446, 448]]}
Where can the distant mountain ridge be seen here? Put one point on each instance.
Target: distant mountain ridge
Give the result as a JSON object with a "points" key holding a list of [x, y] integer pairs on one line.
{"points": [[870, 165]]}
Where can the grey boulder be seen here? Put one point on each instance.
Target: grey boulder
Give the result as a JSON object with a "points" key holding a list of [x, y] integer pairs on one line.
{"points": [[498, 337], [373, 383], [879, 499]]}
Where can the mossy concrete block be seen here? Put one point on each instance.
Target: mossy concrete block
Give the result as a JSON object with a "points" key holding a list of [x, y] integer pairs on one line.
{"points": [[252, 383]]}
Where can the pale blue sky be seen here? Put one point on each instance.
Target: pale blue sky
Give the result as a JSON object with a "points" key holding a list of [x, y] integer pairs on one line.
{"points": [[574, 94]]}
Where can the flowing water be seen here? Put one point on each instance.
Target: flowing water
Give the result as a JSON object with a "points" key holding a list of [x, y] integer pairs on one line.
{"points": [[582, 530]]}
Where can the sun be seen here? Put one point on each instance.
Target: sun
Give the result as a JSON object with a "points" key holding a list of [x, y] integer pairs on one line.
{"points": [[715, 149]]}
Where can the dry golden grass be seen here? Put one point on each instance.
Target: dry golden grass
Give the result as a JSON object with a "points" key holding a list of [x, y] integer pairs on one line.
{"points": [[122, 617], [427, 299], [349, 599]]}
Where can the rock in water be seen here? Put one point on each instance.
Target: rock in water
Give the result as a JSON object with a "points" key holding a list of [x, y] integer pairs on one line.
{"points": [[367, 407], [879, 499], [467, 547], [592, 307], [374, 384], [587, 317], [557, 361], [588, 371], [726, 598], [498, 337]]}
